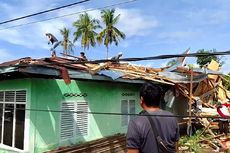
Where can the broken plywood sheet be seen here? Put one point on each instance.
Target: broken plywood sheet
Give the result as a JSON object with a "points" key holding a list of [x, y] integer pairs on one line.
{"points": [[221, 94], [99, 67], [214, 66], [205, 87], [135, 68]]}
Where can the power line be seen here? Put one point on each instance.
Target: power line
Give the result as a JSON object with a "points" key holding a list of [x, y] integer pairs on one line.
{"points": [[87, 10], [113, 114], [42, 12], [131, 59]]}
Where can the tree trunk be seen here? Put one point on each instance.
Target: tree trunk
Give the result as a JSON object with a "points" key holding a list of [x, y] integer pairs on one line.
{"points": [[107, 52]]}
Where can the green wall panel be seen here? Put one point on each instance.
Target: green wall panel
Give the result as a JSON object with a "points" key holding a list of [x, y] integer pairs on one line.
{"points": [[47, 94]]}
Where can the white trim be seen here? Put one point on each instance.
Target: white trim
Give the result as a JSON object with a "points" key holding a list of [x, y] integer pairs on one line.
{"points": [[14, 121], [10, 149], [3, 117], [26, 127]]}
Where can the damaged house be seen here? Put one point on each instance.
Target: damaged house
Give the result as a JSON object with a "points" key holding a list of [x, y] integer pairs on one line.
{"points": [[53, 102]]}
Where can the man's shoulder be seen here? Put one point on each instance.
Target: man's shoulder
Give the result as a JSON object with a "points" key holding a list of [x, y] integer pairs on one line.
{"points": [[167, 112], [139, 120]]}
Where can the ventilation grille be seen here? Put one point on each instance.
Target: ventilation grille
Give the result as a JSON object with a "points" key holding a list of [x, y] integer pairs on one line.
{"points": [[21, 96], [82, 119], [9, 96], [67, 121], [18, 96], [74, 124]]}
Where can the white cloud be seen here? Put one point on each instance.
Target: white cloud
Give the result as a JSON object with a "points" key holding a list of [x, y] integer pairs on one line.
{"points": [[33, 35], [134, 23]]}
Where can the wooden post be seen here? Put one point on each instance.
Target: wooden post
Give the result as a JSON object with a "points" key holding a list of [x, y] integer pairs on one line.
{"points": [[189, 127]]}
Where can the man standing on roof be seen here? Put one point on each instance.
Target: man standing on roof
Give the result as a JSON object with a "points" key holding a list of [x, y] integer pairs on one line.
{"points": [[53, 40], [141, 136]]}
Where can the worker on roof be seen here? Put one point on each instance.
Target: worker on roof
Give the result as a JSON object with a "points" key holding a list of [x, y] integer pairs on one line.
{"points": [[82, 57], [116, 58], [54, 42]]}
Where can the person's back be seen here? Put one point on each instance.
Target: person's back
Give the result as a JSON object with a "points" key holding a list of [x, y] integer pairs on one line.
{"points": [[166, 126], [140, 135]]}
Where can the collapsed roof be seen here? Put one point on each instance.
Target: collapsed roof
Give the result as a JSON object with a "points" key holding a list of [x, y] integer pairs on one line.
{"points": [[206, 82]]}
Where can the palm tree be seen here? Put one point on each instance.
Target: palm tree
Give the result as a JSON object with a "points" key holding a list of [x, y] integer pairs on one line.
{"points": [[66, 43], [85, 28], [110, 34]]}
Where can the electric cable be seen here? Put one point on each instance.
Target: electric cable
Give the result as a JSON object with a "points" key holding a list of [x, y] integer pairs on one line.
{"points": [[71, 14], [114, 114], [127, 59], [42, 12]]}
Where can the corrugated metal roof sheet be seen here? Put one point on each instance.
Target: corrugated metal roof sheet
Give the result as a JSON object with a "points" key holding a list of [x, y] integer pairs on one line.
{"points": [[111, 73]]}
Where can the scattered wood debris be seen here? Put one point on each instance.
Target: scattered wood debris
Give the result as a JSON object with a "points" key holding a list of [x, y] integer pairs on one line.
{"points": [[116, 144]]}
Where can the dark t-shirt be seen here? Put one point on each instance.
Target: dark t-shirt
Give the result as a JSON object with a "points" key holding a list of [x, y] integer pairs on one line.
{"points": [[140, 135]]}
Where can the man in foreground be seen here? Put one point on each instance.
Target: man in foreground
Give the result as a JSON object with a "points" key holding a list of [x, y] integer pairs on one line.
{"points": [[140, 134]]}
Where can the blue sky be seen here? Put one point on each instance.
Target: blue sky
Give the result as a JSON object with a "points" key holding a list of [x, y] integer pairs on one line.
{"points": [[152, 27]]}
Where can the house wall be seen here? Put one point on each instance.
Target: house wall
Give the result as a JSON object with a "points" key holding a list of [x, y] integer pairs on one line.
{"points": [[101, 97], [43, 127]]}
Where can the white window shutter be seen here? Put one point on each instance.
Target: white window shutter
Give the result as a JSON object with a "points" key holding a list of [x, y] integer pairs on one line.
{"points": [[82, 119], [67, 121]]}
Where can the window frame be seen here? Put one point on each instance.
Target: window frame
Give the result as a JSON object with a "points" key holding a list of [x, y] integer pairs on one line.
{"points": [[26, 128], [128, 111]]}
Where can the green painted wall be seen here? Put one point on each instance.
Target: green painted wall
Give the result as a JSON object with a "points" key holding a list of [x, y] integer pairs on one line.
{"points": [[47, 94], [101, 96]]}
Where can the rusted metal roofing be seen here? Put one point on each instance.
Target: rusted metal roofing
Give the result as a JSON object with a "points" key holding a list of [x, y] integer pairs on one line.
{"points": [[67, 69]]}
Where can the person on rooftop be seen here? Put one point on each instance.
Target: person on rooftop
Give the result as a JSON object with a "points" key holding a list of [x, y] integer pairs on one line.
{"points": [[82, 57], [54, 42]]}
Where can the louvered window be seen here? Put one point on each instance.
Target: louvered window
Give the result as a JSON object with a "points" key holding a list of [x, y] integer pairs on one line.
{"points": [[67, 121], [73, 124], [127, 107], [12, 118], [82, 119]]}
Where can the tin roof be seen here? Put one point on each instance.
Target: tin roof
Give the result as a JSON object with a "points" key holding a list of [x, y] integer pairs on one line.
{"points": [[67, 68]]}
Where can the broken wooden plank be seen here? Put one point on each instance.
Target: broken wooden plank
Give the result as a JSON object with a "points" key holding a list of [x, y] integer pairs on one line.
{"points": [[213, 137], [99, 67]]}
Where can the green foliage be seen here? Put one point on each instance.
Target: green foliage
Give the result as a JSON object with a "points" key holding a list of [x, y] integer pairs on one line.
{"points": [[203, 60], [66, 43], [191, 142], [86, 30], [171, 62], [110, 33], [226, 81]]}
